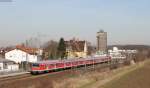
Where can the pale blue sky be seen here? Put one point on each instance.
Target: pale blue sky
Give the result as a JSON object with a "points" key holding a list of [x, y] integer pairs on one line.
{"points": [[126, 21]]}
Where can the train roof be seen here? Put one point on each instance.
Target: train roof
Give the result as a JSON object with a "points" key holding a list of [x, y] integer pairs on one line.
{"points": [[47, 61], [67, 60]]}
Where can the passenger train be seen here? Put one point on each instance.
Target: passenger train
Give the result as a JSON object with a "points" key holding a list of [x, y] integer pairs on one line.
{"points": [[51, 65]]}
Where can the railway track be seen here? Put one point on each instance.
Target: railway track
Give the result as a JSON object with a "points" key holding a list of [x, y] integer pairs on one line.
{"points": [[13, 78]]}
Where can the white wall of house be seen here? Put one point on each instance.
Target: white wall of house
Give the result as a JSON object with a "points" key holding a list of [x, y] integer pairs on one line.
{"points": [[1, 66], [9, 67], [13, 67], [19, 56]]}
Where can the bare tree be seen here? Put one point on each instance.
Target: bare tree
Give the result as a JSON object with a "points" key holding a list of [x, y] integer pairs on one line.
{"points": [[50, 50]]}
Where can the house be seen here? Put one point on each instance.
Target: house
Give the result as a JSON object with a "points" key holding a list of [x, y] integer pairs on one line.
{"points": [[76, 49], [24, 54], [8, 65], [121, 55], [115, 52]]}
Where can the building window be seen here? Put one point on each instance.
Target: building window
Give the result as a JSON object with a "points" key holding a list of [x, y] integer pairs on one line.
{"points": [[5, 66]]}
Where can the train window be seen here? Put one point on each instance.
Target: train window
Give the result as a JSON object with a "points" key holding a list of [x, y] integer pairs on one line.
{"points": [[35, 65]]}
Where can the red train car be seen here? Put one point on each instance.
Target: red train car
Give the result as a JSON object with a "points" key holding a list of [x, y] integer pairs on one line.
{"points": [[46, 66]]}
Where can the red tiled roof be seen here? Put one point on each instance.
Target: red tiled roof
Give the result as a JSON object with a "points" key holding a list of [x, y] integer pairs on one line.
{"points": [[27, 49]]}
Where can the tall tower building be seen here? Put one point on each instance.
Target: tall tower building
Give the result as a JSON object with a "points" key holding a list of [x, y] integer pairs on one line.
{"points": [[101, 41]]}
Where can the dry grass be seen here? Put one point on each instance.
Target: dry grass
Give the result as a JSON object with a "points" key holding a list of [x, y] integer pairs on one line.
{"points": [[138, 78], [96, 79], [81, 80]]}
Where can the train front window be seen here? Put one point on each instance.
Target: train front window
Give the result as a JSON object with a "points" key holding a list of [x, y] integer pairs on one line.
{"points": [[35, 65]]}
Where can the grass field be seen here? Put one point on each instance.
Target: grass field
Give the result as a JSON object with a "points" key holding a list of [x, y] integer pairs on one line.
{"points": [[139, 78]]}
